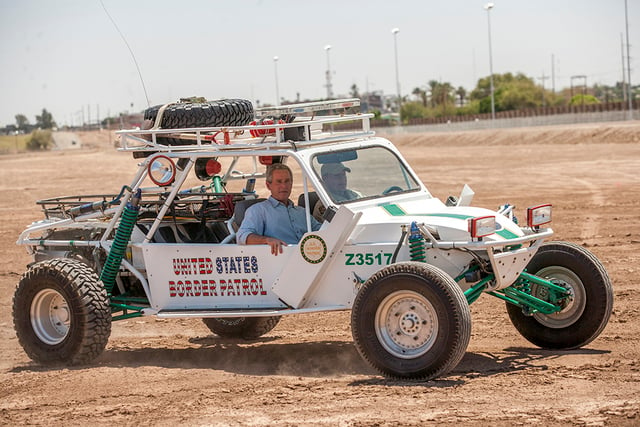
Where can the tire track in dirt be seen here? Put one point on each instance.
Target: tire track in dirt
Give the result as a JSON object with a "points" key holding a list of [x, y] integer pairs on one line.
{"points": [[599, 197], [589, 228]]}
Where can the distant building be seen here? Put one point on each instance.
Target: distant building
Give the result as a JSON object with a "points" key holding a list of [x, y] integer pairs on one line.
{"points": [[372, 101]]}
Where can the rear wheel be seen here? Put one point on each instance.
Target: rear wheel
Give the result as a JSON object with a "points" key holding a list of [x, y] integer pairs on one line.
{"points": [[248, 328], [61, 312], [411, 320], [584, 315]]}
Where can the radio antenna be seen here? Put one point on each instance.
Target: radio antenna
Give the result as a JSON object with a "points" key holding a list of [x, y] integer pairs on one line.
{"points": [[130, 51]]}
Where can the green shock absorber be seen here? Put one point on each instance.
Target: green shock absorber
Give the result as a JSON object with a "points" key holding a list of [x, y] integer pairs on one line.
{"points": [[417, 251], [216, 183], [120, 242]]}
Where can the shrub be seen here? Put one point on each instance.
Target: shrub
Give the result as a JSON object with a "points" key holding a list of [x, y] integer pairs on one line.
{"points": [[583, 100], [40, 140]]}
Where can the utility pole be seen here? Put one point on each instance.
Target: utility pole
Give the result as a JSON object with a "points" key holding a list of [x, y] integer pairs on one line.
{"points": [[553, 74], [543, 78], [624, 78]]}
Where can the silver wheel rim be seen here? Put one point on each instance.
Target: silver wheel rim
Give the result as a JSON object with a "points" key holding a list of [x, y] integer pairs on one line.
{"points": [[577, 301], [50, 317], [406, 324]]}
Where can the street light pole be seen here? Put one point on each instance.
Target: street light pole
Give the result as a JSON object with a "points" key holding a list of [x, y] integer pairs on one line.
{"points": [[275, 68], [327, 48], [629, 97], [395, 32], [488, 8]]}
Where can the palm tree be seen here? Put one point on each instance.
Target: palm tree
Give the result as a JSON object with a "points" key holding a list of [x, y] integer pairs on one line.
{"points": [[433, 88], [421, 95], [462, 94]]}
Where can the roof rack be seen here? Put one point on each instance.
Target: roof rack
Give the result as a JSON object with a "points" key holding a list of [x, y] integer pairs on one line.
{"points": [[309, 107], [303, 131]]}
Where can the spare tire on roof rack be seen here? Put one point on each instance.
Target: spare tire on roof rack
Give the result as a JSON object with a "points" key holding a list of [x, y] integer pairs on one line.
{"points": [[219, 113]]}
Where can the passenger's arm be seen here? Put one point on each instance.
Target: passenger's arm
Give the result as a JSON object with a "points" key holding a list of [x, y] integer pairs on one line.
{"points": [[275, 244]]}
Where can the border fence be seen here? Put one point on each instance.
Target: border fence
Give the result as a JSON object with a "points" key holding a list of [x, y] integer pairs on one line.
{"points": [[593, 113]]}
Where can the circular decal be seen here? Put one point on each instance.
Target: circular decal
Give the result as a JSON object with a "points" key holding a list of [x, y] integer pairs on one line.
{"points": [[313, 249]]}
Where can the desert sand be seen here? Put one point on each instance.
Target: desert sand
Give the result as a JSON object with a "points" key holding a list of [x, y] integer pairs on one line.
{"points": [[307, 370]]}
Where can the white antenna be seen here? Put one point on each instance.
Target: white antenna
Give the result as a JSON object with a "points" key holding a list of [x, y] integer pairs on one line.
{"points": [[130, 51]]}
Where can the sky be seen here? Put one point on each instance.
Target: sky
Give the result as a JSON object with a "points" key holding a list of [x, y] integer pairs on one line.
{"points": [[68, 57]]}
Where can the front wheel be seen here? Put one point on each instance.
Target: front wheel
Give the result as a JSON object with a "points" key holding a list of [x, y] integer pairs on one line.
{"points": [[248, 328], [411, 320], [61, 312], [586, 312]]}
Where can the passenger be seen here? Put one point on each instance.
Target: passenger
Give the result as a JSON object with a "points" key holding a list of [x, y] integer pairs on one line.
{"points": [[334, 176], [275, 221]]}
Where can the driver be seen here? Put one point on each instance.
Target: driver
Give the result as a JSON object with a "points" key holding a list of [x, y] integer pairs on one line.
{"points": [[334, 176]]}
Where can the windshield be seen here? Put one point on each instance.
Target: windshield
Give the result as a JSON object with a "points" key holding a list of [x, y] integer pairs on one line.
{"points": [[361, 174]]}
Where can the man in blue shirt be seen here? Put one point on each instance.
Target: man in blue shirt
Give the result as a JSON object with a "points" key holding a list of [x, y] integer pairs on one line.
{"points": [[275, 221]]}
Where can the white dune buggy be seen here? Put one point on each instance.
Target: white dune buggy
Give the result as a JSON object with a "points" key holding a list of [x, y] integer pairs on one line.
{"points": [[406, 264]]}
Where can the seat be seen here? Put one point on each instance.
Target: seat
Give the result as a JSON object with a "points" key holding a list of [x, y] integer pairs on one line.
{"points": [[233, 224], [240, 209]]}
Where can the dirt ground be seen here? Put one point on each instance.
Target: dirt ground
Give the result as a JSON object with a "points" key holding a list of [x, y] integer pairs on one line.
{"points": [[307, 371]]}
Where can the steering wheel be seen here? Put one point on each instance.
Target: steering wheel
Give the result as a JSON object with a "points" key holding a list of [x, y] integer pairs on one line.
{"points": [[392, 189]]}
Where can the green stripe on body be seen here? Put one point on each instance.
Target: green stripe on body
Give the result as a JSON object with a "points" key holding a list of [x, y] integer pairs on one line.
{"points": [[396, 210]]}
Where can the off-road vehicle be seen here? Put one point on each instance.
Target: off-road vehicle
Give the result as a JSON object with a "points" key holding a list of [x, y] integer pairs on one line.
{"points": [[406, 264]]}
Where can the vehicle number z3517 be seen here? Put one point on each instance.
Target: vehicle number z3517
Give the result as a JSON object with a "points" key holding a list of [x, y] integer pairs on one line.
{"points": [[368, 259]]}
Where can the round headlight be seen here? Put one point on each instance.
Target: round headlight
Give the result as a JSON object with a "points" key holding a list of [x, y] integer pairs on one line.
{"points": [[162, 170]]}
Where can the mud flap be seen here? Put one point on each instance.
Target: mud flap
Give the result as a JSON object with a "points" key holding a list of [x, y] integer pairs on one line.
{"points": [[315, 255]]}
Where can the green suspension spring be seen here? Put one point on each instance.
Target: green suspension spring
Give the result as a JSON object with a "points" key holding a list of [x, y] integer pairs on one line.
{"points": [[417, 249], [120, 242]]}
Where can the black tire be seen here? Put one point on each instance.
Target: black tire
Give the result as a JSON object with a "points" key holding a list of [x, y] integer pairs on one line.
{"points": [[61, 313], [584, 318], [248, 328], [226, 112], [411, 320]]}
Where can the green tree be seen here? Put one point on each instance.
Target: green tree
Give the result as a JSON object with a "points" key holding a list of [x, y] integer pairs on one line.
{"points": [[45, 120], [22, 122], [511, 92]]}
